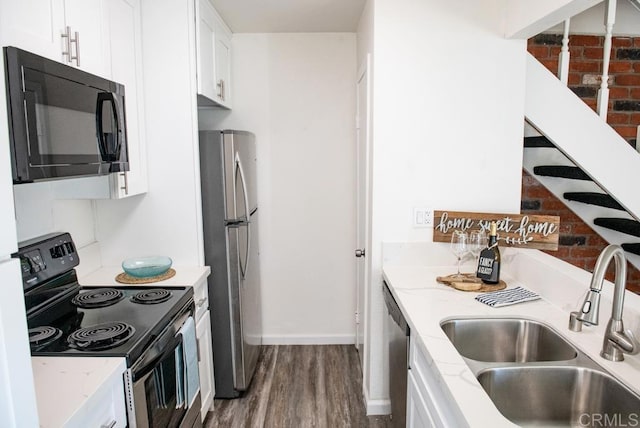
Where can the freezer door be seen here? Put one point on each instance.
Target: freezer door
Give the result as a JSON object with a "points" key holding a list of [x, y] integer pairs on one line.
{"points": [[240, 180]]}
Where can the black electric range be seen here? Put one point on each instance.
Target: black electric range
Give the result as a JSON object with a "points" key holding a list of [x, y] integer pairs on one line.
{"points": [[151, 327], [66, 319]]}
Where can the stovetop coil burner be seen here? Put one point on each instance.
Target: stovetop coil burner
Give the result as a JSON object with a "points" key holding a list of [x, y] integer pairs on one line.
{"points": [[102, 336], [152, 296], [42, 336], [98, 298]]}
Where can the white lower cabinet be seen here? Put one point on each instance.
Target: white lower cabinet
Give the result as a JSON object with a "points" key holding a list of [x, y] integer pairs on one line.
{"points": [[205, 362], [428, 404], [79, 392], [107, 408], [205, 346], [418, 415]]}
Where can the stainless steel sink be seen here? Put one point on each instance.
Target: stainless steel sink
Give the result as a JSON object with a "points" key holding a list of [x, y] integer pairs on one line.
{"points": [[536, 378], [507, 340], [560, 396]]}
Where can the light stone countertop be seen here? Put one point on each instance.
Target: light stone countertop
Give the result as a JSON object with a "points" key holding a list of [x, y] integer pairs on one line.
{"points": [[426, 303], [186, 276], [66, 386]]}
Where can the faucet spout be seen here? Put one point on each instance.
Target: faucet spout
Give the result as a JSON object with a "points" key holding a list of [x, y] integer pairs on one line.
{"points": [[617, 340]]}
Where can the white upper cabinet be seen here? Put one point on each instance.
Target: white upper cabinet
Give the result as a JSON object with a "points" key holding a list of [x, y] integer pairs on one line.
{"points": [[34, 25], [69, 31], [213, 56], [108, 43], [126, 68], [223, 67], [88, 37]]}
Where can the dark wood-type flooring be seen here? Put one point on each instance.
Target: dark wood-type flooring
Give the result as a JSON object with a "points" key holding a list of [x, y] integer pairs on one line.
{"points": [[300, 387]]}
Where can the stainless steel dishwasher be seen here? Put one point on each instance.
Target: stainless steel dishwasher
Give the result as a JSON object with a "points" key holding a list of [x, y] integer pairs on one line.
{"points": [[398, 339]]}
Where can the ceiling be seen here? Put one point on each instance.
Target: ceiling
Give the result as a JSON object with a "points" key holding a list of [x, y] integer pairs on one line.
{"points": [[290, 16]]}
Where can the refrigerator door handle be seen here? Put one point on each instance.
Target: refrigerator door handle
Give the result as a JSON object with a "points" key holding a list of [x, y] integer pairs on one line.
{"points": [[239, 176]]}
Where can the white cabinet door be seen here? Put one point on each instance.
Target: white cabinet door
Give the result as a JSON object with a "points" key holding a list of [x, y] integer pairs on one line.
{"points": [[123, 18], [205, 363], [86, 17], [213, 55], [38, 25], [223, 67], [33, 25], [430, 398], [206, 55], [417, 410]]}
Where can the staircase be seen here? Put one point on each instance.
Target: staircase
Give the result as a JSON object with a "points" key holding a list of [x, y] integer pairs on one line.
{"points": [[569, 183], [582, 160]]}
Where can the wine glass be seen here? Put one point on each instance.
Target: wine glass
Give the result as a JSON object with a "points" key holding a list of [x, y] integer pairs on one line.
{"points": [[459, 246], [478, 240]]}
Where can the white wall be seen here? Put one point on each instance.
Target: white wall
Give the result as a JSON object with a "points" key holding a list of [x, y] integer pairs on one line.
{"points": [[296, 92], [166, 220], [448, 90], [38, 213], [525, 18]]}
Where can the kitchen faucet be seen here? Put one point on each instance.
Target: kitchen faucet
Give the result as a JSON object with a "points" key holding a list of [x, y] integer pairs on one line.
{"points": [[617, 341]]}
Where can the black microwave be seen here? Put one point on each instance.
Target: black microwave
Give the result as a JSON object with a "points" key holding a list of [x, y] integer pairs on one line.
{"points": [[63, 122]]}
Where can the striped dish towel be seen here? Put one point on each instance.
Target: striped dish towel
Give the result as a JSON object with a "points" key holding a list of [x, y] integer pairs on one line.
{"points": [[508, 297]]}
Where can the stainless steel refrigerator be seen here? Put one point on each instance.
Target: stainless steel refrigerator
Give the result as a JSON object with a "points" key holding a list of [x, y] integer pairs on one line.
{"points": [[230, 221]]}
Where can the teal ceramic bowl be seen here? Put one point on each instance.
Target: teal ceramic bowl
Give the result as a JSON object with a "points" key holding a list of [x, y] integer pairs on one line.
{"points": [[146, 267]]}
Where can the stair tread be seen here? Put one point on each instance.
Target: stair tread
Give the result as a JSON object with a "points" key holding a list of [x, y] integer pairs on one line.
{"points": [[633, 248], [594, 198], [538, 141], [561, 171], [624, 225]]}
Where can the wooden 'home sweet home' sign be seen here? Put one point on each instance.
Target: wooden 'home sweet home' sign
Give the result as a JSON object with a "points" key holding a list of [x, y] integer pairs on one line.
{"points": [[514, 230]]}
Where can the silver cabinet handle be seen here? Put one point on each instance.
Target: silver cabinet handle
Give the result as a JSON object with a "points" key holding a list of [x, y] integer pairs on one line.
{"points": [[109, 425], [76, 40], [67, 35], [69, 53], [200, 302], [221, 90], [126, 183], [360, 252]]}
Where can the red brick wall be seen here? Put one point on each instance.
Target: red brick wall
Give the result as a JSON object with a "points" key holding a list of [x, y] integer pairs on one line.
{"points": [[579, 244]]}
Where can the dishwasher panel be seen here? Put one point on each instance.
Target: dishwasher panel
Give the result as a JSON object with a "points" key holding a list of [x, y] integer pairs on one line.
{"points": [[398, 339]]}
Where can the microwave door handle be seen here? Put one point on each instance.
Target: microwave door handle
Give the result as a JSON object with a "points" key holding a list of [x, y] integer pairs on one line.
{"points": [[103, 144]]}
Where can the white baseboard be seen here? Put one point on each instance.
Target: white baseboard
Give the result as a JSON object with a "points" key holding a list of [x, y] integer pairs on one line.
{"points": [[376, 407], [347, 339]]}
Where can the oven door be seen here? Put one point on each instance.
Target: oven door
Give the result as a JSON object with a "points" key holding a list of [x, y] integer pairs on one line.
{"points": [[156, 384], [158, 389]]}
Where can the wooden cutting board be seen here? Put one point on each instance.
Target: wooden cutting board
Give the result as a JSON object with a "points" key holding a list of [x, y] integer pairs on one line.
{"points": [[469, 282]]}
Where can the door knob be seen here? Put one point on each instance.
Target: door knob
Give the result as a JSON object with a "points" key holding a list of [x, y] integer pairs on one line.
{"points": [[360, 253]]}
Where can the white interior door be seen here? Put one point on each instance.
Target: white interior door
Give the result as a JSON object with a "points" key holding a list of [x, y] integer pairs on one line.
{"points": [[363, 213]]}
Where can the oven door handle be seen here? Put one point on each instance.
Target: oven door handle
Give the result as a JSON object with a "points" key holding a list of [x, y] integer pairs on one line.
{"points": [[147, 365]]}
